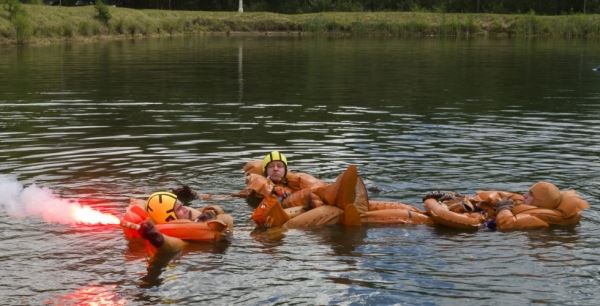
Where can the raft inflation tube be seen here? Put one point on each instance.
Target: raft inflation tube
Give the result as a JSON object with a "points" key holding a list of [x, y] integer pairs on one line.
{"points": [[441, 215], [211, 230]]}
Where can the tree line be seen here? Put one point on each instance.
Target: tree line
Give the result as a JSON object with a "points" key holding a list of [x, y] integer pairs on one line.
{"points": [[542, 7]]}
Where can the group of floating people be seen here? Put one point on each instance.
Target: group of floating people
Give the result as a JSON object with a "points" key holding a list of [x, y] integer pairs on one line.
{"points": [[285, 199]]}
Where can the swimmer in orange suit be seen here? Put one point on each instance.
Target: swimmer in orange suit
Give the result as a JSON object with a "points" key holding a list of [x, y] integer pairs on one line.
{"points": [[544, 205], [168, 225], [306, 201]]}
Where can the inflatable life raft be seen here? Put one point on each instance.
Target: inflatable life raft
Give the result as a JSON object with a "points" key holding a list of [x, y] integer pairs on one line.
{"points": [[212, 230]]}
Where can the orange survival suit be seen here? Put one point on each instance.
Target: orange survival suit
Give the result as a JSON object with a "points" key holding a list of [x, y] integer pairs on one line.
{"points": [[506, 210], [549, 206], [310, 201]]}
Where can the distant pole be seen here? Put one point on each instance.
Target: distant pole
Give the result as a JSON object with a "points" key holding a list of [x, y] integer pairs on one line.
{"points": [[241, 6], [584, 1], [240, 72]]}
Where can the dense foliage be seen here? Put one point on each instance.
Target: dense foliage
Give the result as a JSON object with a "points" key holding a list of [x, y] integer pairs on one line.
{"points": [[544, 7], [39, 23], [102, 12], [18, 18]]}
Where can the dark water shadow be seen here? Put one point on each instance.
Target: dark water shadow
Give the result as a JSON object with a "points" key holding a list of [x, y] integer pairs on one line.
{"points": [[157, 267]]}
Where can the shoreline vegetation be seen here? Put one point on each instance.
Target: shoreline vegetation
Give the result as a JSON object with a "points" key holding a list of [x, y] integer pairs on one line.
{"points": [[41, 24]]}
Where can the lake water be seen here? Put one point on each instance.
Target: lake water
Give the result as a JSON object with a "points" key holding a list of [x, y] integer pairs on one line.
{"points": [[105, 122]]}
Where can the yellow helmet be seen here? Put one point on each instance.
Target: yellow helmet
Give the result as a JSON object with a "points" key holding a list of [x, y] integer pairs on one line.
{"points": [[272, 156], [161, 207]]}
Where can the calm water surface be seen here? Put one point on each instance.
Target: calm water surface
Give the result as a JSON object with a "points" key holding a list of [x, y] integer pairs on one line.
{"points": [[115, 120]]}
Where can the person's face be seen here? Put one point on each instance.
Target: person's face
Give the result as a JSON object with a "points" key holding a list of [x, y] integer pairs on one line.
{"points": [[276, 170], [181, 211], [528, 198]]}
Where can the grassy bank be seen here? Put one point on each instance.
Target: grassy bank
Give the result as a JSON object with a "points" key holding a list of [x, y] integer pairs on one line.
{"points": [[40, 23]]}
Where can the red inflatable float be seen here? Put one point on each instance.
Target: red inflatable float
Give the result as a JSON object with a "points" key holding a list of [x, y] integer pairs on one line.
{"points": [[212, 230]]}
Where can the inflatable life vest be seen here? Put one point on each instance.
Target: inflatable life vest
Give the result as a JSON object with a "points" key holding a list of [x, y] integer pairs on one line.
{"points": [[567, 213], [442, 215], [296, 192], [212, 230], [467, 212], [295, 180], [340, 207], [346, 202], [270, 214], [386, 212]]}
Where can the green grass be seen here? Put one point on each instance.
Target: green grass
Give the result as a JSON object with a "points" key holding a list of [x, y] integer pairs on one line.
{"points": [[50, 23]]}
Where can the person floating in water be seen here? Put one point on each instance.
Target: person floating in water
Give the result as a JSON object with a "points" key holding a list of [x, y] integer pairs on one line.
{"points": [[168, 225], [300, 200], [271, 177], [542, 206]]}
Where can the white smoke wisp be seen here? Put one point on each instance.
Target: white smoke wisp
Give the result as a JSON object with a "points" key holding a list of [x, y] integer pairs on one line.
{"points": [[41, 202]]}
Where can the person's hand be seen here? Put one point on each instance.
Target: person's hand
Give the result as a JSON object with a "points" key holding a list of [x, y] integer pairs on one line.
{"points": [[207, 215], [314, 201], [185, 194], [149, 232], [279, 192], [504, 204], [258, 185], [439, 195]]}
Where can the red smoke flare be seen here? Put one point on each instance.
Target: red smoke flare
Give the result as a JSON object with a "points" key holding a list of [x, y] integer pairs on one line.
{"points": [[87, 215]]}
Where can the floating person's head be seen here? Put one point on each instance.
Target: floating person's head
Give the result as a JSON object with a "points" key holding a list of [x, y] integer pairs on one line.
{"points": [[163, 207], [275, 166], [544, 195]]}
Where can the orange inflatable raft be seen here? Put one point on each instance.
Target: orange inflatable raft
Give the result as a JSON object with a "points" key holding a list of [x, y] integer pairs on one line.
{"points": [[212, 230]]}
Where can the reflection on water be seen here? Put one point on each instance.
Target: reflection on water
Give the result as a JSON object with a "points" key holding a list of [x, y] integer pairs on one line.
{"points": [[93, 295], [115, 120], [155, 269]]}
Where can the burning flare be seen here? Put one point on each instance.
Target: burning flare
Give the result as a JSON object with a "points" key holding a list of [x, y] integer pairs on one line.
{"points": [[87, 215], [41, 202]]}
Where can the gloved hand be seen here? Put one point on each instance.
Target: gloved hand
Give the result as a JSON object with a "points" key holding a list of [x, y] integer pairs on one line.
{"points": [[279, 192], [207, 215], [504, 204], [314, 201], [185, 194], [149, 232], [439, 195]]}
